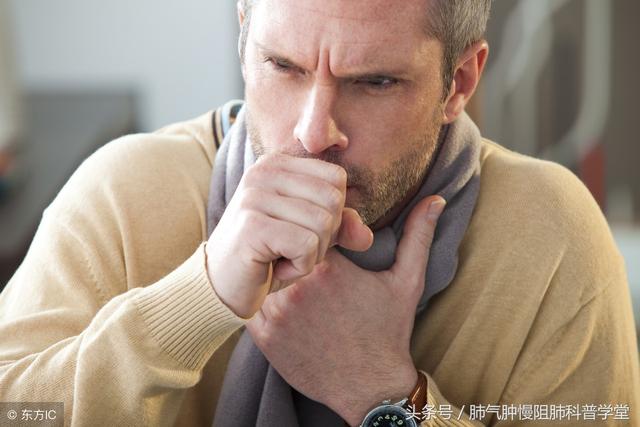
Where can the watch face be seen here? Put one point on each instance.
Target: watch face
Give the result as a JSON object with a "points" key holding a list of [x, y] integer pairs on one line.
{"points": [[388, 416]]}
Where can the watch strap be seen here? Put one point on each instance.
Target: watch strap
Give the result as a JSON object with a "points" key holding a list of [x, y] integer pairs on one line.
{"points": [[418, 398]]}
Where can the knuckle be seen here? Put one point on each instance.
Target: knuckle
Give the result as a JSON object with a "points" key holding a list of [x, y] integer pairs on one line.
{"points": [[254, 169], [340, 175], [251, 176], [335, 199], [274, 160], [250, 221], [310, 255], [277, 314], [310, 242], [310, 262], [266, 158], [324, 220], [248, 198], [277, 157], [265, 165]]}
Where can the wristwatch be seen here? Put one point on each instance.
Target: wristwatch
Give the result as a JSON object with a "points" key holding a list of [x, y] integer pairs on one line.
{"points": [[406, 413]]}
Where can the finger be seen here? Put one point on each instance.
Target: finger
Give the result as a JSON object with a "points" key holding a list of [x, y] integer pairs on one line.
{"points": [[296, 211], [299, 186], [285, 273], [413, 249], [278, 284], [326, 171], [353, 233], [274, 239]]}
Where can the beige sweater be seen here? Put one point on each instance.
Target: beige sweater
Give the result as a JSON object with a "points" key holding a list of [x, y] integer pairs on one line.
{"points": [[112, 312]]}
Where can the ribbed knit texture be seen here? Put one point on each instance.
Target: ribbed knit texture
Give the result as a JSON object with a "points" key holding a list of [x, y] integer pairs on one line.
{"points": [[184, 315]]}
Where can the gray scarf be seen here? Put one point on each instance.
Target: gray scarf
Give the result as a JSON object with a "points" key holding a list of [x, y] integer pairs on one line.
{"points": [[253, 393]]}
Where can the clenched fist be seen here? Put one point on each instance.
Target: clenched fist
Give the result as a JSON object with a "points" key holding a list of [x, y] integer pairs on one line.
{"points": [[287, 211]]}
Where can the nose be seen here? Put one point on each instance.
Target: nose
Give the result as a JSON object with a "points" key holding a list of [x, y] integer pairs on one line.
{"points": [[316, 128]]}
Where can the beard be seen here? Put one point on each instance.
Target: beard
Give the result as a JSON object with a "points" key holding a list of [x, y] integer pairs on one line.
{"points": [[379, 191]]}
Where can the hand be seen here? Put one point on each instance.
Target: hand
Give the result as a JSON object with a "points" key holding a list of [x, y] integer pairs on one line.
{"points": [[341, 334], [287, 209]]}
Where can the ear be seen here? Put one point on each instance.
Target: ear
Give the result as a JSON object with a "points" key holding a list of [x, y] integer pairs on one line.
{"points": [[465, 79], [240, 21], [240, 12]]}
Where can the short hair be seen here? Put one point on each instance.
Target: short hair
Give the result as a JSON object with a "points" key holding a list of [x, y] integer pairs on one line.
{"points": [[457, 24]]}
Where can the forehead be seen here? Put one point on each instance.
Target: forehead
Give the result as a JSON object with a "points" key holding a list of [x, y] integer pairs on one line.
{"points": [[351, 32]]}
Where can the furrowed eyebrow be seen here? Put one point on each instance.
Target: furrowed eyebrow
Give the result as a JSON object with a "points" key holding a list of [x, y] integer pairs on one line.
{"points": [[372, 68], [265, 51], [376, 72]]}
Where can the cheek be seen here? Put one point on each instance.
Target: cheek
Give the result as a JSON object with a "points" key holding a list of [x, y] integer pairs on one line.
{"points": [[374, 141], [382, 129], [273, 115], [380, 152]]}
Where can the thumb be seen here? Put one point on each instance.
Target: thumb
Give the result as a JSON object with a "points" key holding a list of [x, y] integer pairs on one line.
{"points": [[413, 250], [353, 234]]}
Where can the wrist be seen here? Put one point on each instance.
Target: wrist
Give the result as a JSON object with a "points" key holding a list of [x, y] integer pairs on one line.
{"points": [[243, 301], [394, 386]]}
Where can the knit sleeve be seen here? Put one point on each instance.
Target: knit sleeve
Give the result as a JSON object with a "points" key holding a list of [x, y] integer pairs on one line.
{"points": [[80, 323], [438, 412]]}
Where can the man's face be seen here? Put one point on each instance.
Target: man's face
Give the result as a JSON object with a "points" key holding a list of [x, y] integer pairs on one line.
{"points": [[356, 83]]}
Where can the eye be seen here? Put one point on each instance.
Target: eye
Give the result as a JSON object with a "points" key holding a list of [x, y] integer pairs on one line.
{"points": [[279, 65], [379, 82]]}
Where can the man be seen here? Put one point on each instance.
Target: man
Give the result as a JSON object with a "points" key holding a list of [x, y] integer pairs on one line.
{"points": [[314, 226]]}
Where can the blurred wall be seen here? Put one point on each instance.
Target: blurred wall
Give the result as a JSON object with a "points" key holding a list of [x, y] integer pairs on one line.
{"points": [[622, 137], [561, 83], [10, 106], [179, 56]]}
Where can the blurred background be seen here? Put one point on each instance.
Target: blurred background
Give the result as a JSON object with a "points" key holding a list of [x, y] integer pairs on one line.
{"points": [[561, 83]]}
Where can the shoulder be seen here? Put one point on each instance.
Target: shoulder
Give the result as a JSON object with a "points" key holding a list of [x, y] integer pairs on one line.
{"points": [[151, 166], [142, 198], [567, 277], [145, 155], [546, 184], [541, 213]]}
